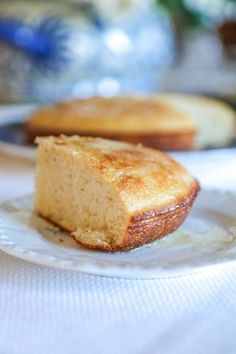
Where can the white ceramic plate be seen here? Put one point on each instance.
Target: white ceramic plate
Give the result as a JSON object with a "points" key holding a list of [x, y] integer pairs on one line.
{"points": [[206, 239]]}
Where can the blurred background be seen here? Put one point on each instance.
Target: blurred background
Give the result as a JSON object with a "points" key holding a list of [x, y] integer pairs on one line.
{"points": [[77, 48]]}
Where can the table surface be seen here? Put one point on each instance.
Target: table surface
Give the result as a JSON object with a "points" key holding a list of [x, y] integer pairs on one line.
{"points": [[44, 310]]}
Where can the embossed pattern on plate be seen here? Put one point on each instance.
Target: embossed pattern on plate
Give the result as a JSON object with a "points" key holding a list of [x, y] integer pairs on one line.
{"points": [[206, 239]]}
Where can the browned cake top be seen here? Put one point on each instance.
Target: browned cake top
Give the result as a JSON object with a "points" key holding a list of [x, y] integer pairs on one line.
{"points": [[144, 177], [118, 114]]}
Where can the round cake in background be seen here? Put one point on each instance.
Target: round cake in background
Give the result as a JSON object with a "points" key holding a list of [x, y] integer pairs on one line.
{"points": [[131, 119], [165, 121]]}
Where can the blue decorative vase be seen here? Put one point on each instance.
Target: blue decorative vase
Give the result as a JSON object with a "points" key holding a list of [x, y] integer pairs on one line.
{"points": [[50, 51]]}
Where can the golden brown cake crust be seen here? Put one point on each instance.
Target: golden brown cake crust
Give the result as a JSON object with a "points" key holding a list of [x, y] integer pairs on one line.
{"points": [[145, 228]]}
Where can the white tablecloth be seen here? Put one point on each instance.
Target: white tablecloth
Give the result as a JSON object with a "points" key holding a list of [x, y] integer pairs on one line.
{"points": [[50, 311]]}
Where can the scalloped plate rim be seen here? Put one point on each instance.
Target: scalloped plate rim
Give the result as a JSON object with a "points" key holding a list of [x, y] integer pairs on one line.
{"points": [[133, 272]]}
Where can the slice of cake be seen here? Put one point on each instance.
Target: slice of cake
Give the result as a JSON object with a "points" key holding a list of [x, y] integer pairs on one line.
{"points": [[135, 120], [111, 195]]}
